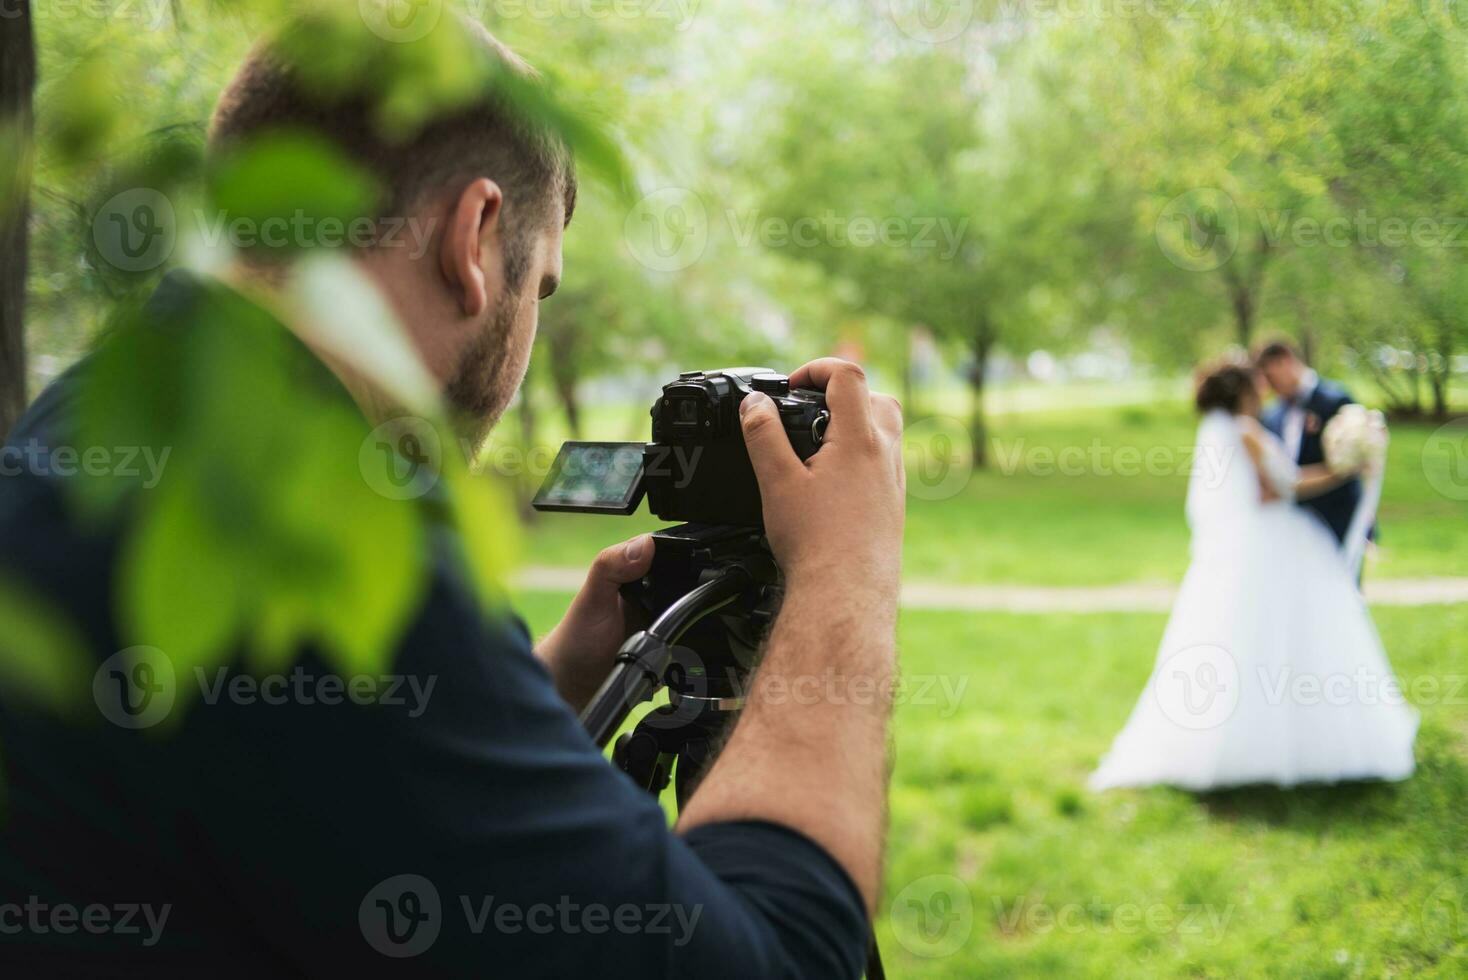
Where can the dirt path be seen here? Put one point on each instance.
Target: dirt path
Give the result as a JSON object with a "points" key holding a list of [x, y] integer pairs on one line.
{"points": [[1136, 597]]}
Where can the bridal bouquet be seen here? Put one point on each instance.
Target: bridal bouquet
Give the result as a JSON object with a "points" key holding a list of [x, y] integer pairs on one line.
{"points": [[1355, 439]]}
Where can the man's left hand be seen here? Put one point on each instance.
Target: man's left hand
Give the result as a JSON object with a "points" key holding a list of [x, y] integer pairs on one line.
{"points": [[579, 652]]}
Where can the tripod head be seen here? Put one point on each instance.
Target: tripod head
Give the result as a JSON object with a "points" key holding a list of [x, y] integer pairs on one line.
{"points": [[711, 594]]}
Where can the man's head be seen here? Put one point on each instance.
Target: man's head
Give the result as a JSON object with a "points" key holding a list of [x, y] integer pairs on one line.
{"points": [[1281, 367], [485, 190]]}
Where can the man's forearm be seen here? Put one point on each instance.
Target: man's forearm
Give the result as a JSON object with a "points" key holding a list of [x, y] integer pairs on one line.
{"points": [[810, 751]]}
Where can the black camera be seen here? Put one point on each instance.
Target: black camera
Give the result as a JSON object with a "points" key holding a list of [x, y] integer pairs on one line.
{"points": [[696, 467], [713, 590]]}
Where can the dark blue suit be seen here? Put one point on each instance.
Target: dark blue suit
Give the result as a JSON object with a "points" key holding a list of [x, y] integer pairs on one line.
{"points": [[1337, 507]]}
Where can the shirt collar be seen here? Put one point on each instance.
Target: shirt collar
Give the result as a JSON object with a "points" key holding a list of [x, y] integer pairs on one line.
{"points": [[1309, 381]]}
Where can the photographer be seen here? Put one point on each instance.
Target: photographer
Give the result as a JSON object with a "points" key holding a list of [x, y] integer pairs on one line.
{"points": [[477, 832]]}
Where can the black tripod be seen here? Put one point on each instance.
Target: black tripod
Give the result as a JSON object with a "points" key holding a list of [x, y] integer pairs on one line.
{"points": [[703, 659]]}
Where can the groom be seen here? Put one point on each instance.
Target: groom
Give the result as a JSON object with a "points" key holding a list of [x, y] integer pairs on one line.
{"points": [[1306, 403]]}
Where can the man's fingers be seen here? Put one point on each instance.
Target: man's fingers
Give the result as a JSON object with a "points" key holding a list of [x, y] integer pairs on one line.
{"points": [[769, 447], [618, 565], [887, 414], [847, 394]]}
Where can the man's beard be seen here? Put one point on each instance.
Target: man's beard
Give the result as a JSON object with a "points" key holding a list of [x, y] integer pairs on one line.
{"points": [[488, 375]]}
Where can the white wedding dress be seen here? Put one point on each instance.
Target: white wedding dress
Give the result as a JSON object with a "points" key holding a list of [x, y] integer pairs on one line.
{"points": [[1270, 669]]}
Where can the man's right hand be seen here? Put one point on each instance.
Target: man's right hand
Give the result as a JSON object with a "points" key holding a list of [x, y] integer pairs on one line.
{"points": [[840, 514], [810, 749]]}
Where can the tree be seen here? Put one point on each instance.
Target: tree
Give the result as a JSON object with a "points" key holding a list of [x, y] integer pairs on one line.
{"points": [[17, 87], [907, 172]]}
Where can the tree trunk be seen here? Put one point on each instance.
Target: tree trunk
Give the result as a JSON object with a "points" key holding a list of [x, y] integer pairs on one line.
{"points": [[1243, 303], [983, 344], [563, 342], [566, 391], [1439, 397], [17, 88]]}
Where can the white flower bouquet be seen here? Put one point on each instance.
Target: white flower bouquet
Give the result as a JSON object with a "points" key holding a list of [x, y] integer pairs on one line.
{"points": [[1355, 440]]}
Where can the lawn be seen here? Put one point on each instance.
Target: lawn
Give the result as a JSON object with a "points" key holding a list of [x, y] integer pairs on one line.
{"points": [[1002, 864]]}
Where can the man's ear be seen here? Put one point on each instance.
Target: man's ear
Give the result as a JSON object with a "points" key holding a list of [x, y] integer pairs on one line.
{"points": [[473, 225]]}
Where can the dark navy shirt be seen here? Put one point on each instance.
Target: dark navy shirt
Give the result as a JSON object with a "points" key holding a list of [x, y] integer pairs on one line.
{"points": [[467, 829]]}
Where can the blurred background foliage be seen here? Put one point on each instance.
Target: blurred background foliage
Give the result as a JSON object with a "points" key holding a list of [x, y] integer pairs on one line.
{"points": [[1071, 155]]}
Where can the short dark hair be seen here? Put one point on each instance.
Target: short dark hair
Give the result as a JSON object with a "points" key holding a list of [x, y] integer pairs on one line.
{"points": [[1274, 349], [487, 135], [1225, 386]]}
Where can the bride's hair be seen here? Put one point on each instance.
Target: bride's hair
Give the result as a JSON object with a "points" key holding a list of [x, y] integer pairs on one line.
{"points": [[1226, 386]]}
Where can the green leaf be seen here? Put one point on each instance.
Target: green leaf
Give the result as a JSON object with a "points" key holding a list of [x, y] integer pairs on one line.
{"points": [[43, 657], [293, 177]]}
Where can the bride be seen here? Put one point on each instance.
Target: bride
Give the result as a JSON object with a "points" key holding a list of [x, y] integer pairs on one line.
{"points": [[1270, 669]]}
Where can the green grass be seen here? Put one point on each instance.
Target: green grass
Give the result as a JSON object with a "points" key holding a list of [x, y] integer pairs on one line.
{"points": [[1111, 519], [996, 847], [1019, 871]]}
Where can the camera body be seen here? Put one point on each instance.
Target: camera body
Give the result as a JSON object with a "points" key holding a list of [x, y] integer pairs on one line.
{"points": [[696, 468]]}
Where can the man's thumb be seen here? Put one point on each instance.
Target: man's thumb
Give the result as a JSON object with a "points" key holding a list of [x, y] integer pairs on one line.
{"points": [[769, 447]]}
